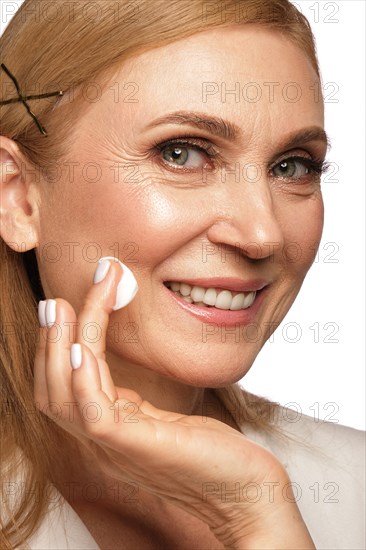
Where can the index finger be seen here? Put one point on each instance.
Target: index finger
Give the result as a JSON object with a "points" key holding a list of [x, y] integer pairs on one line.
{"points": [[113, 285]]}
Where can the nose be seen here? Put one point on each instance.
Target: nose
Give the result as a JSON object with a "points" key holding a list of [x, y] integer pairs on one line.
{"points": [[247, 217]]}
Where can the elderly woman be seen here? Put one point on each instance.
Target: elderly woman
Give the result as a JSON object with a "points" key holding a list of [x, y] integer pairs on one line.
{"points": [[148, 221]]}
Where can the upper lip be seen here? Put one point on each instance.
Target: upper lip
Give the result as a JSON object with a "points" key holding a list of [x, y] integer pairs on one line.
{"points": [[229, 283]]}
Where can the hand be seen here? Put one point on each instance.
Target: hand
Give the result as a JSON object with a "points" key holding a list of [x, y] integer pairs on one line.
{"points": [[173, 456]]}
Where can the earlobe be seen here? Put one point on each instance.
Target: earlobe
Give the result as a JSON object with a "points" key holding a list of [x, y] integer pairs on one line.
{"points": [[19, 199]]}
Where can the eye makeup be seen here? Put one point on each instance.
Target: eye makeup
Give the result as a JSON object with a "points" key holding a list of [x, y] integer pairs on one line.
{"points": [[313, 167]]}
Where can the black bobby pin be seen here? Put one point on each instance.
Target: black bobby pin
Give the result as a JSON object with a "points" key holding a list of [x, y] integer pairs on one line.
{"points": [[24, 99]]}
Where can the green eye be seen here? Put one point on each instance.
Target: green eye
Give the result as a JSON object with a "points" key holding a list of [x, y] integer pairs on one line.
{"points": [[177, 155], [297, 168], [291, 168], [186, 156], [189, 154]]}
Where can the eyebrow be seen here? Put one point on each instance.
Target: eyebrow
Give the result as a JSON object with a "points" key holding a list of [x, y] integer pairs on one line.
{"points": [[313, 133], [219, 127], [212, 124]]}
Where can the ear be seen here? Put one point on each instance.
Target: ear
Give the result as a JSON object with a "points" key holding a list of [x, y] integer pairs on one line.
{"points": [[19, 198]]}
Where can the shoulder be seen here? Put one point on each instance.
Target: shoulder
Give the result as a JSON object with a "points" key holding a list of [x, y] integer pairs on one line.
{"points": [[342, 444], [323, 453], [326, 464], [59, 527]]}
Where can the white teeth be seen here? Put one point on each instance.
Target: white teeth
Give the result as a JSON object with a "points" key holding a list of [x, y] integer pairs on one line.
{"points": [[238, 302], [249, 299], [185, 290], [210, 297], [224, 299], [221, 299], [197, 293]]}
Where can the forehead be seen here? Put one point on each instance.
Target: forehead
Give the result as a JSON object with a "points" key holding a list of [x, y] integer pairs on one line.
{"points": [[252, 50], [248, 74]]}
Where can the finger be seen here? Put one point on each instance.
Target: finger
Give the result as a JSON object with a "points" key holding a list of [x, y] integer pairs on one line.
{"points": [[126, 396], [94, 319], [94, 405], [59, 339], [40, 390], [116, 424], [58, 344], [58, 368]]}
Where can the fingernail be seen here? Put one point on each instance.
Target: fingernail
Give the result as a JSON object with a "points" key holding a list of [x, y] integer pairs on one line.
{"points": [[50, 312], [101, 271], [42, 312], [127, 287], [76, 356]]}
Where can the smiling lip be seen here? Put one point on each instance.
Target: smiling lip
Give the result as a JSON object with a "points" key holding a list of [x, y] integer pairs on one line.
{"points": [[221, 316], [226, 283]]}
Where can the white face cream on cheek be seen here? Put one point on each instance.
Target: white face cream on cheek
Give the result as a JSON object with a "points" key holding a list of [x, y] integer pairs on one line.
{"points": [[127, 287]]}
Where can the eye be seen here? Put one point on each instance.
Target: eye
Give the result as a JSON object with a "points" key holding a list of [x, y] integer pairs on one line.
{"points": [[297, 167], [182, 156], [193, 154]]}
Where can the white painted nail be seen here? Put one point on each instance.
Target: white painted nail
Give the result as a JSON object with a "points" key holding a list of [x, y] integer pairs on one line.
{"points": [[50, 313], [101, 271], [127, 287], [76, 356], [42, 312]]}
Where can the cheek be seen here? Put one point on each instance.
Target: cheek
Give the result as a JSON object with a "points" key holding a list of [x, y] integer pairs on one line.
{"points": [[140, 222], [302, 232], [152, 221]]}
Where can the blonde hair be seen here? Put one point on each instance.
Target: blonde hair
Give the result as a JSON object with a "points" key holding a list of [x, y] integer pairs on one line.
{"points": [[49, 50]]}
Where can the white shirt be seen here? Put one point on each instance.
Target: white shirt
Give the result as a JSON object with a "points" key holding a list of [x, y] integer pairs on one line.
{"points": [[328, 483]]}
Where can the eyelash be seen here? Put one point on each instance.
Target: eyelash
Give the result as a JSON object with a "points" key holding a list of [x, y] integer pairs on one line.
{"points": [[202, 145], [316, 167]]}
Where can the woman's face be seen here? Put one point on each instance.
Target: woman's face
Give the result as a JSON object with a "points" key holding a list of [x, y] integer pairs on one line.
{"points": [[224, 204]]}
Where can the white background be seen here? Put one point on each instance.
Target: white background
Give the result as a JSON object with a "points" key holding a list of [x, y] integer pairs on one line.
{"points": [[320, 371]]}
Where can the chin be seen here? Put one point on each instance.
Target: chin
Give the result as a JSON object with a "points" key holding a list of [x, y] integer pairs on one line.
{"points": [[214, 374]]}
